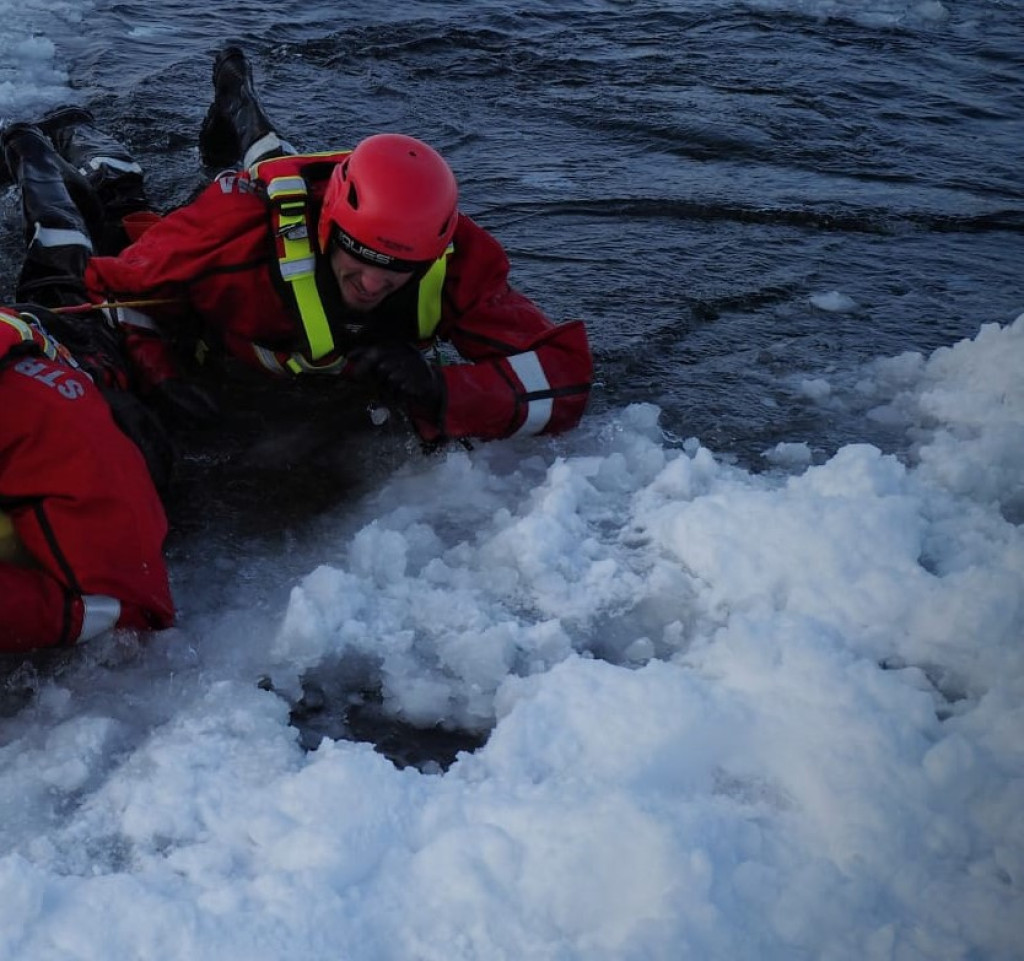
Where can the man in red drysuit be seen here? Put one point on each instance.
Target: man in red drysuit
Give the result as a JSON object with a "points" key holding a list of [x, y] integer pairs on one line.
{"points": [[81, 524], [351, 263]]}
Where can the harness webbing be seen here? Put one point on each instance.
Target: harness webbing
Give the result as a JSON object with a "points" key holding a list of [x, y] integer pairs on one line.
{"points": [[279, 362], [22, 330], [297, 261], [17, 331], [11, 551], [428, 306]]}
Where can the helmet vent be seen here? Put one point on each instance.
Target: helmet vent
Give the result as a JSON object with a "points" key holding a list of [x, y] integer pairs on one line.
{"points": [[353, 197]]}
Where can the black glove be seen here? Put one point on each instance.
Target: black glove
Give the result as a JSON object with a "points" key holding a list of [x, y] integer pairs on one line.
{"points": [[400, 371], [144, 427], [182, 403]]}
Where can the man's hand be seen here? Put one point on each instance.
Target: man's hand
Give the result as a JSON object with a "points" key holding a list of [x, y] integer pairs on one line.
{"points": [[400, 371]]}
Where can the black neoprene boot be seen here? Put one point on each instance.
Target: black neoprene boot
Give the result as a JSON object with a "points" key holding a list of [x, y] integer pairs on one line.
{"points": [[59, 247], [108, 166], [236, 131], [56, 231]]}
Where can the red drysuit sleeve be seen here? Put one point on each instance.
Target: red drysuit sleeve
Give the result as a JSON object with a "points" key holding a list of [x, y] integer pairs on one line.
{"points": [[523, 372], [209, 259]]}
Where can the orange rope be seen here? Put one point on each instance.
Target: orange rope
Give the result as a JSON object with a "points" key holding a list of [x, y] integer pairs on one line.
{"points": [[84, 308]]}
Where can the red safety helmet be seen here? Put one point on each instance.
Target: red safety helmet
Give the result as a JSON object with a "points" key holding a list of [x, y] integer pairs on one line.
{"points": [[392, 202]]}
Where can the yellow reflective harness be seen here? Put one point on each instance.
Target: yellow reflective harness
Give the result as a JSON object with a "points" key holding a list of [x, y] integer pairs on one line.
{"points": [[428, 302], [287, 191], [15, 330], [11, 551], [297, 262]]}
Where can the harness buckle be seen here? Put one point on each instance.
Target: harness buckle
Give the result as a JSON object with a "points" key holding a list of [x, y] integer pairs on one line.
{"points": [[296, 231]]}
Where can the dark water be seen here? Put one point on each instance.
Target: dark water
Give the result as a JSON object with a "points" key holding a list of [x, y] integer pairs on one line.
{"points": [[683, 176]]}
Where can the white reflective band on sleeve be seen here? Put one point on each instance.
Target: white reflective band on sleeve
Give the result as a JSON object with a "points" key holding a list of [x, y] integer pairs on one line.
{"points": [[101, 614], [125, 166], [60, 237], [528, 369], [131, 317], [295, 268]]}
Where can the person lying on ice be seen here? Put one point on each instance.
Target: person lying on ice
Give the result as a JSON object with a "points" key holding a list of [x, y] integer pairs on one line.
{"points": [[81, 523], [352, 262], [82, 526]]}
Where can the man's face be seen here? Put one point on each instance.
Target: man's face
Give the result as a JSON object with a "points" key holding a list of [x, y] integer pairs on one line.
{"points": [[363, 286]]}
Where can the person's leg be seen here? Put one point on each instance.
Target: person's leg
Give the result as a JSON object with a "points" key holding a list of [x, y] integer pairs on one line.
{"points": [[58, 238], [58, 249], [107, 165], [237, 131]]}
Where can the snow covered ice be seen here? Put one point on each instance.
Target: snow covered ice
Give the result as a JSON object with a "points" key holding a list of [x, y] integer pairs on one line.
{"points": [[734, 715]]}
